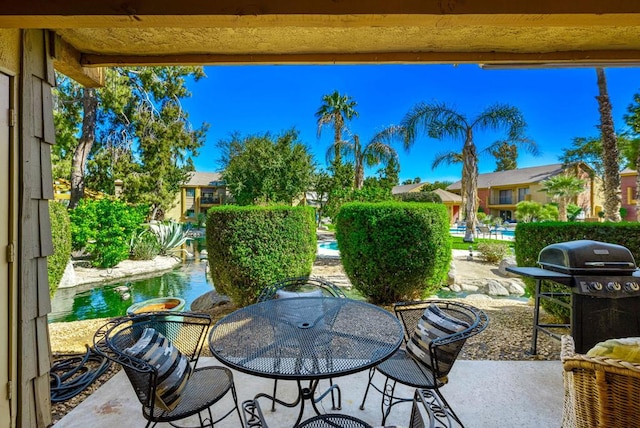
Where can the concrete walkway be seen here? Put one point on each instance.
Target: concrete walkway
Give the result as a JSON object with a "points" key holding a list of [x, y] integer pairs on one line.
{"points": [[483, 393]]}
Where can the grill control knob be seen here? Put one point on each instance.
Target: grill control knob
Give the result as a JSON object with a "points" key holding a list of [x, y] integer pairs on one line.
{"points": [[595, 286], [614, 286], [631, 286]]}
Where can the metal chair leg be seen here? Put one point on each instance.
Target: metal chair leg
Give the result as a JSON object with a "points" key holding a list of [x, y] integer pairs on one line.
{"points": [[273, 402], [333, 401], [387, 399]]}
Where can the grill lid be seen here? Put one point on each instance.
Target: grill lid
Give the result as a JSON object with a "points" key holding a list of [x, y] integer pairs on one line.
{"points": [[587, 257]]}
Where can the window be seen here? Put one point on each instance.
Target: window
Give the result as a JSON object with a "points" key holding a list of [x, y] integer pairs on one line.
{"points": [[209, 196], [505, 215], [191, 192], [505, 197], [190, 213], [522, 194]]}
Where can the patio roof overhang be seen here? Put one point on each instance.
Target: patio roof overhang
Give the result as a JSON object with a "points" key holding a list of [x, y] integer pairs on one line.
{"points": [[548, 33]]}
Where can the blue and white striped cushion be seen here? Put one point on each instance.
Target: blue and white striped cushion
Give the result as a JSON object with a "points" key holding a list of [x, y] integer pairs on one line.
{"points": [[172, 366], [433, 324]]}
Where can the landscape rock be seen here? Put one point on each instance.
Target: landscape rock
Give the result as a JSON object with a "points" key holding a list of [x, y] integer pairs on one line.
{"points": [[451, 275], [210, 302], [504, 264], [68, 277], [126, 269], [469, 287], [515, 287], [493, 287], [456, 288]]}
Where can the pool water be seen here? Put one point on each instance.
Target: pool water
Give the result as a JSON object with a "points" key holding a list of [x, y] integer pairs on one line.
{"points": [[329, 245], [79, 303]]}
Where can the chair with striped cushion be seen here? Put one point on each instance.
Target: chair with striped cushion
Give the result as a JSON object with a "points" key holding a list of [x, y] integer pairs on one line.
{"points": [[159, 352], [435, 331]]}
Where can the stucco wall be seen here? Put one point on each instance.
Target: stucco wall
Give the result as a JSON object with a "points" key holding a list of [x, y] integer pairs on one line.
{"points": [[9, 50]]}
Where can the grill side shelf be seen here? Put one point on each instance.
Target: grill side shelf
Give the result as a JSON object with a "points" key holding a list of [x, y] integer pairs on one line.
{"points": [[538, 273]]}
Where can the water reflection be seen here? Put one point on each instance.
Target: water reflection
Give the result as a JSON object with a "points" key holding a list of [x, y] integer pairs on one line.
{"points": [[79, 303]]}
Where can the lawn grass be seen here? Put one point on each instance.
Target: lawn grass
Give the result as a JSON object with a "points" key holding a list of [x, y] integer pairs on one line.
{"points": [[457, 243]]}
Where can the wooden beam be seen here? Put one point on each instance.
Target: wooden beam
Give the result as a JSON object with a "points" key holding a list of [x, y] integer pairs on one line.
{"points": [[136, 9], [66, 59], [566, 58]]}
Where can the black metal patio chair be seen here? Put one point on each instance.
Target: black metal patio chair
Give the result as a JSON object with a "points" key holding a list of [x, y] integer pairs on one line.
{"points": [[159, 352], [424, 413], [435, 331], [301, 285], [253, 418], [305, 286]]}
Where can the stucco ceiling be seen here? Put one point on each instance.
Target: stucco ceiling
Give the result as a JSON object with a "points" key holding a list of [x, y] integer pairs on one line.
{"points": [[151, 32], [410, 40]]}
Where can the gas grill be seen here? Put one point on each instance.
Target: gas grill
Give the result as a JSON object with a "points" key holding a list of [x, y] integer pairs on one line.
{"points": [[602, 291]]}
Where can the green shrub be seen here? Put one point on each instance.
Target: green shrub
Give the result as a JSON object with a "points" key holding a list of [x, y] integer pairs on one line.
{"points": [[493, 252], [418, 197], [251, 247], [169, 234], [83, 224], [394, 250], [105, 229], [533, 237], [61, 236], [144, 246]]}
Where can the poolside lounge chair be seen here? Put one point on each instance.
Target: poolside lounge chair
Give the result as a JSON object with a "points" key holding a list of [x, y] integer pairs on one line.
{"points": [[486, 230]]}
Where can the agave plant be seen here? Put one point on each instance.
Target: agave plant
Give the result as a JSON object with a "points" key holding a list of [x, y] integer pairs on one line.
{"points": [[170, 236]]}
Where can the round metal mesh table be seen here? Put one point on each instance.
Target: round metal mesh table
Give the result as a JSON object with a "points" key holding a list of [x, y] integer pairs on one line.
{"points": [[305, 338]]}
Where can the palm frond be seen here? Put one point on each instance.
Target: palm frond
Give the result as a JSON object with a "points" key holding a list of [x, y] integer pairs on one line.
{"points": [[437, 120], [502, 116], [446, 158]]}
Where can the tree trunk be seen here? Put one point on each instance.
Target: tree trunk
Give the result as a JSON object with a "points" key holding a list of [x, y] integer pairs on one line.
{"points": [[359, 172], [470, 173], [610, 155], [337, 137], [562, 209], [81, 153]]}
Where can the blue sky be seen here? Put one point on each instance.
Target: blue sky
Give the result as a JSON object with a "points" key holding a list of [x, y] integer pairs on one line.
{"points": [[557, 104]]}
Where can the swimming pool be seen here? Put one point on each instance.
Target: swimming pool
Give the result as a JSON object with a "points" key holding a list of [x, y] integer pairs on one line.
{"points": [[329, 245]]}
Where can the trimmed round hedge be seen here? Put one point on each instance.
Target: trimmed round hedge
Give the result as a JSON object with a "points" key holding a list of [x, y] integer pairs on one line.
{"points": [[251, 247], [393, 251]]}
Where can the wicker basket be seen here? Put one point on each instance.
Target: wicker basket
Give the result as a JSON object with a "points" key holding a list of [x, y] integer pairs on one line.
{"points": [[599, 391]]}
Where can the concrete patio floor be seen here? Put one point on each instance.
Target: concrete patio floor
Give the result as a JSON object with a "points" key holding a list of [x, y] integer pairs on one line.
{"points": [[483, 394]]}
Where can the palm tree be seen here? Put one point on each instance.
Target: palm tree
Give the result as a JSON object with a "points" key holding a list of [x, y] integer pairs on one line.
{"points": [[563, 188], [374, 153], [440, 121], [335, 110], [612, 199]]}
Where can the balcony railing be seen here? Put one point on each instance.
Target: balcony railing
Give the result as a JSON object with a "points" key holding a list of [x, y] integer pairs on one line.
{"points": [[210, 200], [501, 201]]}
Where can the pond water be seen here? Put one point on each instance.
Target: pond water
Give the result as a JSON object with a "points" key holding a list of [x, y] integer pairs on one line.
{"points": [[81, 303], [187, 282]]}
